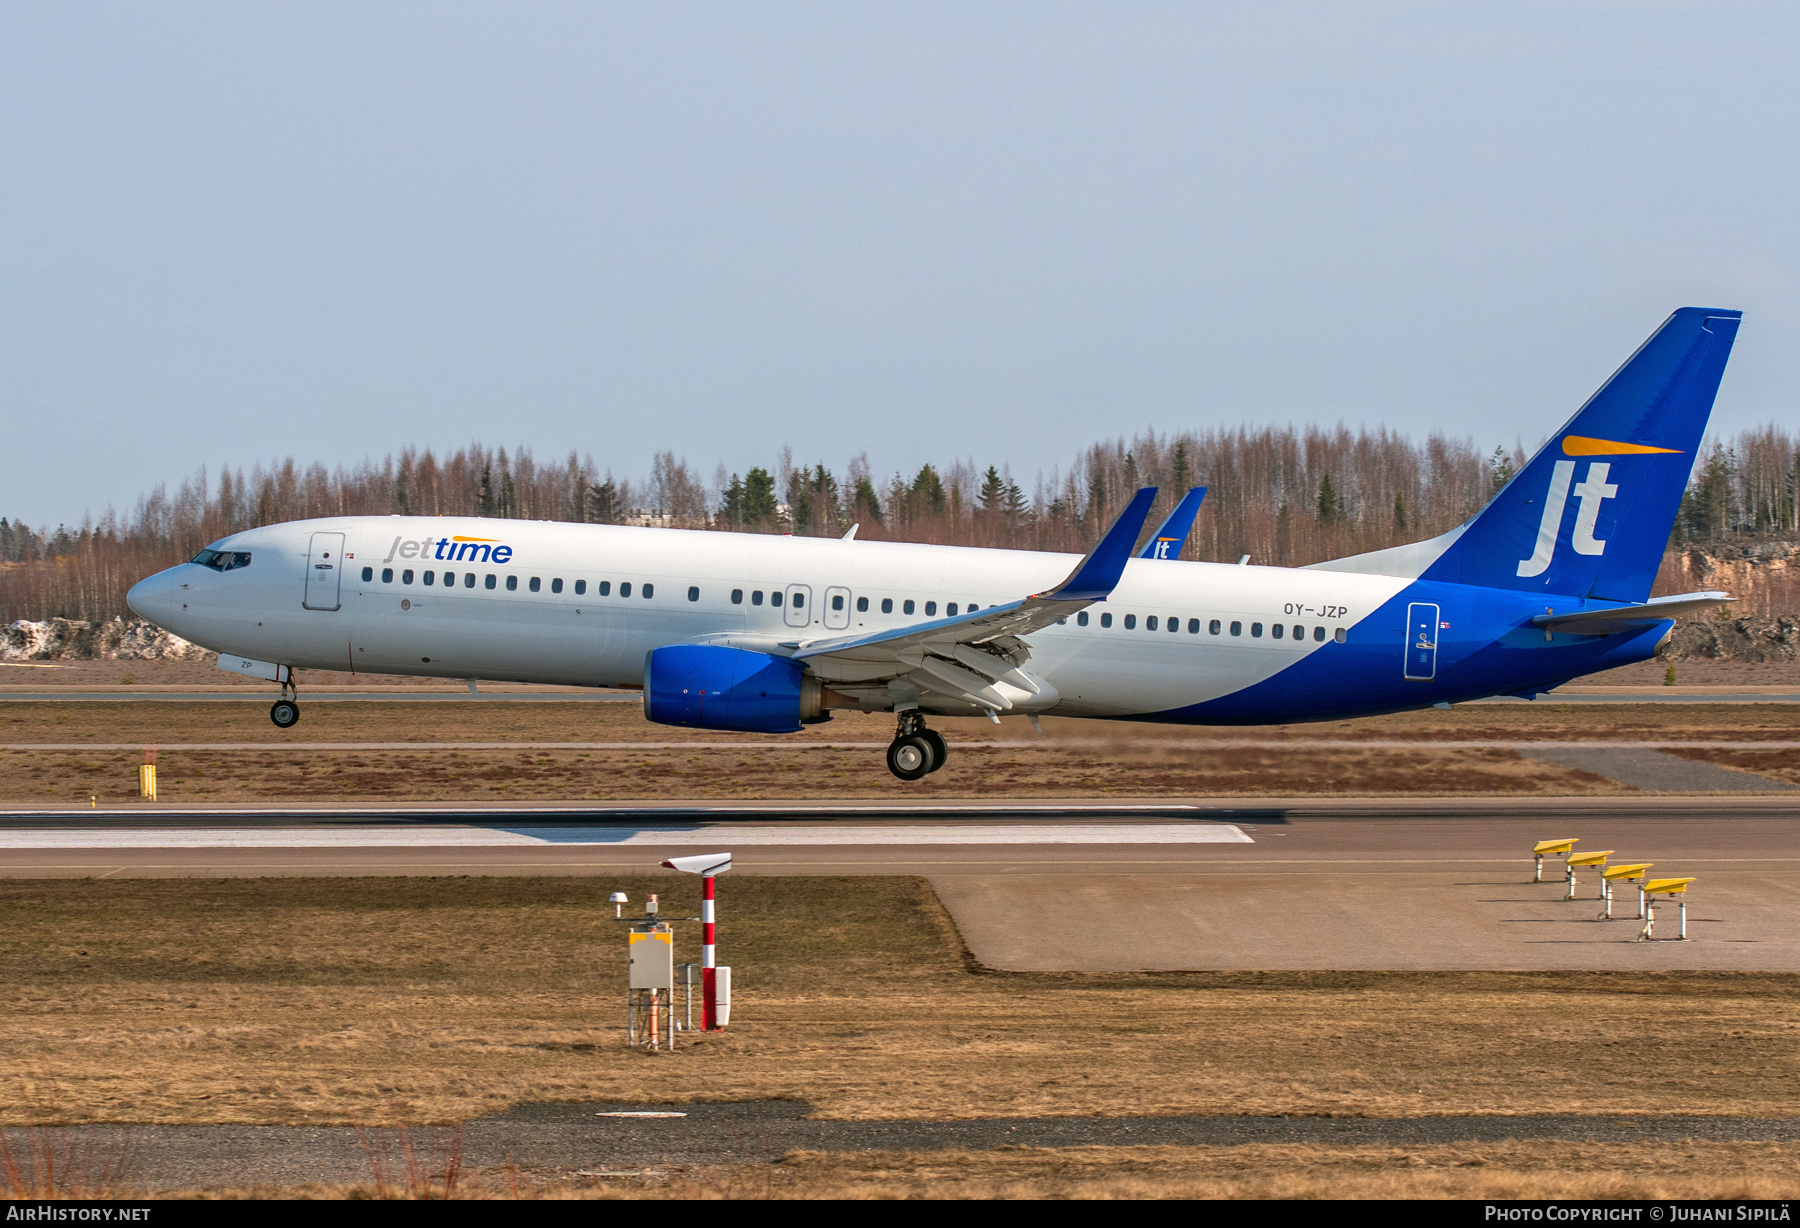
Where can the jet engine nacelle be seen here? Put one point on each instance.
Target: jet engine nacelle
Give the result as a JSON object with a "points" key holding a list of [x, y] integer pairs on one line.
{"points": [[708, 686]]}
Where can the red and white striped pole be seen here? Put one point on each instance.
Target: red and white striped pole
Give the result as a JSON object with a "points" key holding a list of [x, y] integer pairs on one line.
{"points": [[709, 963], [706, 865]]}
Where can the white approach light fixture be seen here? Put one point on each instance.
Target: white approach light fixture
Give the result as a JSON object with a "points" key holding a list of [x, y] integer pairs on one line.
{"points": [[707, 865], [618, 901]]}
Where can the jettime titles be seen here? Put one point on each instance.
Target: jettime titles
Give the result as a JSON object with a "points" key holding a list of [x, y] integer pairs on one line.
{"points": [[451, 550]]}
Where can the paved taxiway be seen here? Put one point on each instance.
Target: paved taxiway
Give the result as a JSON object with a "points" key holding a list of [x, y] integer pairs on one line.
{"points": [[1356, 884]]}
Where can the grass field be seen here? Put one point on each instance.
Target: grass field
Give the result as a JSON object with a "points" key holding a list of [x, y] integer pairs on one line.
{"points": [[1084, 758], [372, 1000], [436, 1000]]}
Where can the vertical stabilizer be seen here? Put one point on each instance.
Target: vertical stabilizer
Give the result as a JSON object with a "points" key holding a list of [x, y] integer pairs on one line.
{"points": [[1591, 513]]}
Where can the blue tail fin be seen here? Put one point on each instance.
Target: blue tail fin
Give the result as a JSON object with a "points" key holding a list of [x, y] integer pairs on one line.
{"points": [[1591, 513]]}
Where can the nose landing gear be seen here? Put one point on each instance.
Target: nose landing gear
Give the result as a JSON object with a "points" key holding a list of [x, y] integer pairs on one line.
{"points": [[915, 751], [285, 712]]}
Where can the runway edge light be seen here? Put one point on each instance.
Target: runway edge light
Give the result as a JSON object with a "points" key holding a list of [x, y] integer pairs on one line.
{"points": [[707, 866]]}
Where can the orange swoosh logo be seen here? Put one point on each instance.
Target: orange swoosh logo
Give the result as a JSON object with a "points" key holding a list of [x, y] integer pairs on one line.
{"points": [[1581, 445]]}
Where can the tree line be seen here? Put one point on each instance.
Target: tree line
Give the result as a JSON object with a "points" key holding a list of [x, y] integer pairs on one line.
{"points": [[1282, 495]]}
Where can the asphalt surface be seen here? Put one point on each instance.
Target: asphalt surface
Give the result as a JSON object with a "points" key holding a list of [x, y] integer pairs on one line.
{"points": [[403, 695], [1370, 884], [578, 1140]]}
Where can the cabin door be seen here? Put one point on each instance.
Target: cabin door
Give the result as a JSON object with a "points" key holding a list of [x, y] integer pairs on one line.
{"points": [[324, 571], [1421, 642]]}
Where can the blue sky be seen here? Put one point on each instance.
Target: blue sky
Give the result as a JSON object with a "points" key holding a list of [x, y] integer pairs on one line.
{"points": [[236, 232]]}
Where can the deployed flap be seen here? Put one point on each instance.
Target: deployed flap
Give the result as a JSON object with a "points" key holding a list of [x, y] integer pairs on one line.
{"points": [[1171, 535], [991, 632], [1630, 617]]}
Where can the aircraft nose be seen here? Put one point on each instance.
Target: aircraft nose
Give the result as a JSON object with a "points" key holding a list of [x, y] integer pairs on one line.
{"points": [[149, 598]]}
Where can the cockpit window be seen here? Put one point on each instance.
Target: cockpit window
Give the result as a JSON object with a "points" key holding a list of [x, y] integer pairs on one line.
{"points": [[223, 560]]}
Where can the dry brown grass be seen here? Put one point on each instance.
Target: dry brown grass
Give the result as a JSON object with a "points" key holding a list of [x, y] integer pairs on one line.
{"points": [[478, 720], [1088, 758], [1496, 1171], [432, 1000]]}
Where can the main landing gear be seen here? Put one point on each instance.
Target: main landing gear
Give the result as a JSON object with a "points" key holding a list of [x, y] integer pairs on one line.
{"points": [[285, 712], [915, 751]]}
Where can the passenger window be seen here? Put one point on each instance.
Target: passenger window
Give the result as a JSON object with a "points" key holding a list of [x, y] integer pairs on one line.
{"points": [[862, 605], [1237, 628], [429, 577], [1212, 628], [512, 584], [1275, 631], [1318, 635], [1255, 631], [469, 579], [1175, 624], [756, 597], [1081, 619], [693, 592], [537, 584], [930, 609], [1106, 620], [649, 591], [774, 596], [908, 607], [490, 580], [887, 605], [973, 607], [837, 602], [387, 575], [602, 589], [368, 574], [581, 587], [1299, 632], [1150, 623], [556, 585], [737, 596], [950, 609], [406, 577], [1131, 622], [797, 600], [624, 589], [1341, 635]]}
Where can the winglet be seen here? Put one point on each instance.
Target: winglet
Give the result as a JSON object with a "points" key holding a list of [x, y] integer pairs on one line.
{"points": [[1171, 535], [1095, 577]]}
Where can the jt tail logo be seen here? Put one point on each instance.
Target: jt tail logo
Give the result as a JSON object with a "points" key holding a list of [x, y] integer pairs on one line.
{"points": [[1592, 492]]}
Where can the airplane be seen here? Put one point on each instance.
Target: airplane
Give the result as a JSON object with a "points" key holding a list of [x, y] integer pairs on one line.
{"points": [[766, 634]]}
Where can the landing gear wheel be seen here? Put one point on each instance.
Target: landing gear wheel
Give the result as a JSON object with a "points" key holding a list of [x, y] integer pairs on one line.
{"points": [[910, 758], [285, 713], [939, 752]]}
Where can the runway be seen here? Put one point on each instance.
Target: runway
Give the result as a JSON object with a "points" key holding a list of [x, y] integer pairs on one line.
{"points": [[1370, 884], [505, 693]]}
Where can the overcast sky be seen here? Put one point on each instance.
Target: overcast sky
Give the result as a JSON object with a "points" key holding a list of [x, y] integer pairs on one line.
{"points": [[240, 231]]}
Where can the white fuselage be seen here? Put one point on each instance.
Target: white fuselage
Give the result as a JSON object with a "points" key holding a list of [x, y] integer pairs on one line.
{"points": [[492, 622]]}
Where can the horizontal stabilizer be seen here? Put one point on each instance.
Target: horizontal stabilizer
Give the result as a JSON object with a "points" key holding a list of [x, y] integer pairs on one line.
{"points": [[1630, 617]]}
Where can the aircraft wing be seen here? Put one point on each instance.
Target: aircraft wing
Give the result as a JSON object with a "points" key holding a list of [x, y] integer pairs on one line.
{"points": [[1630, 617], [1171, 535], [966, 656]]}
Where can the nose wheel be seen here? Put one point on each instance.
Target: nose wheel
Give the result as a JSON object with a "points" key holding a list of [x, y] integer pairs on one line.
{"points": [[285, 712], [915, 751]]}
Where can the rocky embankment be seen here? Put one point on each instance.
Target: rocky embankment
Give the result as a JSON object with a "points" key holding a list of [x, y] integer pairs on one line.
{"points": [[1736, 639], [118, 639]]}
